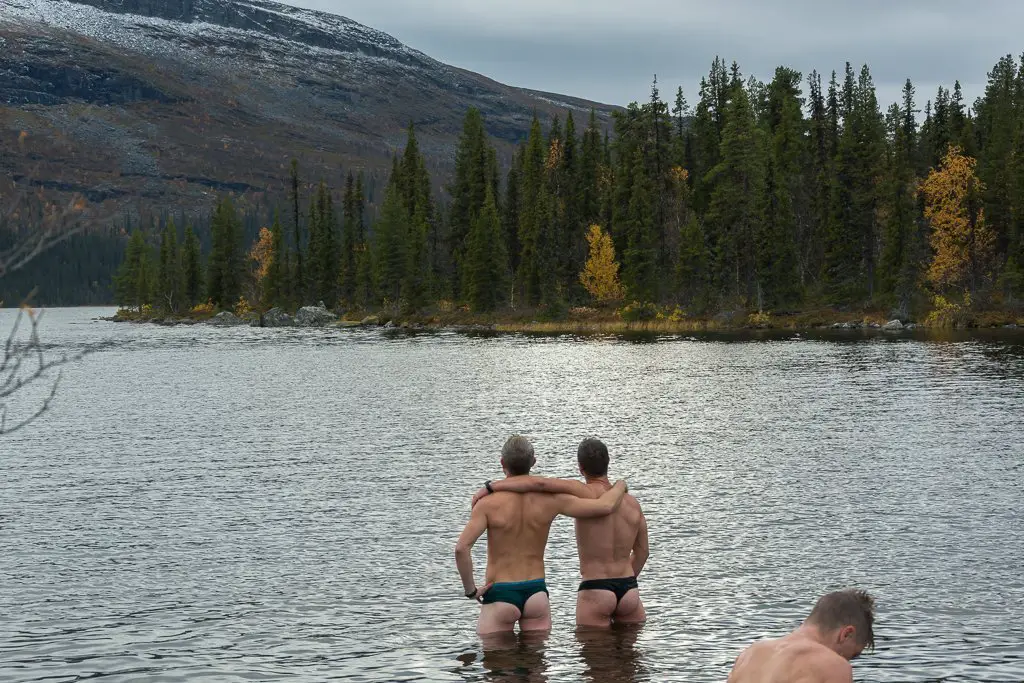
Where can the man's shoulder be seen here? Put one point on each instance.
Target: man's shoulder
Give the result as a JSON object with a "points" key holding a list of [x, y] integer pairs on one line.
{"points": [[831, 663]]}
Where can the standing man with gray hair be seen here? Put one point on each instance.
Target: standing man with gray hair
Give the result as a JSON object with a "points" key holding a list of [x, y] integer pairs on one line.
{"points": [[517, 526]]}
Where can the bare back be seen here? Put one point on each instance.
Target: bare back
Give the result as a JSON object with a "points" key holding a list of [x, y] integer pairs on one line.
{"points": [[517, 532], [790, 660], [605, 544]]}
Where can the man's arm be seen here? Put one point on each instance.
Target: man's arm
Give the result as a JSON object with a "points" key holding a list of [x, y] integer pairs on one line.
{"points": [[532, 484], [641, 550], [582, 508], [475, 528]]}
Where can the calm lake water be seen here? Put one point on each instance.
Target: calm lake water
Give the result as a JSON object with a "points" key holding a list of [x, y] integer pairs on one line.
{"points": [[240, 504]]}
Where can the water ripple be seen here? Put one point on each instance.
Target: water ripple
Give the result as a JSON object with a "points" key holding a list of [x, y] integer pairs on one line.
{"points": [[247, 505]]}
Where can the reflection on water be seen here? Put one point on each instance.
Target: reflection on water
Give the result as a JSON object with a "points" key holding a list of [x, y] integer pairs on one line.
{"points": [[241, 504], [611, 656], [513, 657]]}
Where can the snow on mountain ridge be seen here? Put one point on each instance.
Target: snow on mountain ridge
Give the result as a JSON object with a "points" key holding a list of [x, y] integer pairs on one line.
{"points": [[316, 32]]}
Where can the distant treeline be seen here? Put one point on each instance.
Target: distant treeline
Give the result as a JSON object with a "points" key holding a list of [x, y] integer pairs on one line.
{"points": [[759, 198]]}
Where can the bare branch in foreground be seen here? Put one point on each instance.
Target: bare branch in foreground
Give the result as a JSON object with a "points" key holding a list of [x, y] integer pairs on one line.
{"points": [[24, 364]]}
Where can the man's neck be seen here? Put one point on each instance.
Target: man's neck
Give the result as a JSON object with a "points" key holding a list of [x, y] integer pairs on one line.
{"points": [[603, 481], [813, 633]]}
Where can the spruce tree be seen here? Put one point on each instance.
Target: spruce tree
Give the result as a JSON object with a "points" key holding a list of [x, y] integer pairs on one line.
{"points": [[298, 275], [640, 260], [364, 284], [786, 205], [170, 281], [473, 173], [347, 264], [274, 293], [487, 263], [193, 267], [224, 286], [902, 244], [736, 208], [510, 210], [131, 283], [533, 214], [390, 248]]}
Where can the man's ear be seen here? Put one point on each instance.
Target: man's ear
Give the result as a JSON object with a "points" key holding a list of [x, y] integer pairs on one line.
{"points": [[533, 461], [847, 633]]}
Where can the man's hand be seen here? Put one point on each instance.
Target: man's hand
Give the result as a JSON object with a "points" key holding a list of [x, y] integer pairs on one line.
{"points": [[478, 496], [479, 597]]}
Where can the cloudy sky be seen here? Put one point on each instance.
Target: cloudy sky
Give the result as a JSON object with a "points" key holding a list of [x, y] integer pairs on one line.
{"points": [[608, 50]]}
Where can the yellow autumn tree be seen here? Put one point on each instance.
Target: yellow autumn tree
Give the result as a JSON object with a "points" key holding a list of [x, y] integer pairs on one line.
{"points": [[600, 275], [261, 255], [962, 242]]}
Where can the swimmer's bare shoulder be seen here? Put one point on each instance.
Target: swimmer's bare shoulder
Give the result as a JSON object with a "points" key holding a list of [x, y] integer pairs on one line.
{"points": [[779, 661], [833, 668]]}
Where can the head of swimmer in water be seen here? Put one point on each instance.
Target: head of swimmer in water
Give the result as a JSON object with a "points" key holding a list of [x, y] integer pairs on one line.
{"points": [[517, 456], [845, 622]]}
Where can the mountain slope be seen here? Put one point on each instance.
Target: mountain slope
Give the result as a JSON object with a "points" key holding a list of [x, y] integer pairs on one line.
{"points": [[167, 102]]}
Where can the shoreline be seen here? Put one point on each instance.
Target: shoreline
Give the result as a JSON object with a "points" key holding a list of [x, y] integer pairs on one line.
{"points": [[590, 324]]}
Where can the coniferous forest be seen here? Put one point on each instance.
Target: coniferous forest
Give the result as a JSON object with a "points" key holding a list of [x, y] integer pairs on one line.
{"points": [[795, 194]]}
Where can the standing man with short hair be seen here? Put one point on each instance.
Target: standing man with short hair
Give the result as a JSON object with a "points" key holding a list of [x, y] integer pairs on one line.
{"points": [[517, 527], [839, 628], [612, 550]]}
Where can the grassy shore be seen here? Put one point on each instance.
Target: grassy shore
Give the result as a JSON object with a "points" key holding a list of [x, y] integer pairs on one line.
{"points": [[611, 321]]}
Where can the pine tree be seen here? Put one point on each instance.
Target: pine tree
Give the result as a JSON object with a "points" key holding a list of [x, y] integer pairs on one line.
{"points": [[474, 171], [640, 258], [853, 231], [692, 265], [193, 267], [132, 281], [390, 253], [324, 256], [224, 286], [510, 210], [902, 247], [347, 265], [820, 172], [591, 173], [487, 263], [170, 280], [735, 213], [416, 282], [298, 275], [364, 285], [274, 293], [533, 225]]}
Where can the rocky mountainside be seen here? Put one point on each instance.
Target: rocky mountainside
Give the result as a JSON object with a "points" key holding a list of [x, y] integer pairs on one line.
{"points": [[164, 103]]}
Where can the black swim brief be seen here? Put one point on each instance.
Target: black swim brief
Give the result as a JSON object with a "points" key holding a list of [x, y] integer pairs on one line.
{"points": [[618, 586]]}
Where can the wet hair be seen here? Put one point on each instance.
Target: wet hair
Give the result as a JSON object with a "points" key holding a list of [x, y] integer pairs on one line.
{"points": [[846, 608], [592, 456], [517, 455]]}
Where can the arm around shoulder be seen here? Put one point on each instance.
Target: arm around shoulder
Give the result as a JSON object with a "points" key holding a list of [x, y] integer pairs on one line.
{"points": [[532, 484], [584, 508]]}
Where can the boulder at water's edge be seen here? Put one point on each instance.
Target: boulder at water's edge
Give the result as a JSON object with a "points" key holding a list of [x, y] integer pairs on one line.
{"points": [[314, 316]]}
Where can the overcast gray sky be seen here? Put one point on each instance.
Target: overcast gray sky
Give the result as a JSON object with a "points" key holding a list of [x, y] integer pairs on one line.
{"points": [[608, 50]]}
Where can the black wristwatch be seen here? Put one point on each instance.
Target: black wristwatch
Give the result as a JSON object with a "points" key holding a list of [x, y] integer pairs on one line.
{"points": [[472, 594], [487, 485]]}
